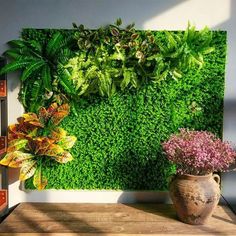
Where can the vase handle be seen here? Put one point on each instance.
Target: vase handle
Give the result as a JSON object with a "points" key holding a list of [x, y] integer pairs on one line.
{"points": [[216, 178]]}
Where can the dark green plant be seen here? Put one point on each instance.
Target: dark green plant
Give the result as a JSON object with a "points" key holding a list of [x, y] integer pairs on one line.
{"points": [[38, 63]]}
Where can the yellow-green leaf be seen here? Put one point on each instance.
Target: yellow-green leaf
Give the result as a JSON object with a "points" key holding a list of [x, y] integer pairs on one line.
{"points": [[53, 150], [32, 119], [15, 159], [39, 180], [67, 142], [63, 157], [16, 144], [58, 133], [28, 169]]}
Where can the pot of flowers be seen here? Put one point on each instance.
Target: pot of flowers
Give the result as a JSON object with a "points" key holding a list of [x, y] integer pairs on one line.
{"points": [[195, 189]]}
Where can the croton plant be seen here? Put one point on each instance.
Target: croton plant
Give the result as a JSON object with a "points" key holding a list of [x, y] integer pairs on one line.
{"points": [[37, 136]]}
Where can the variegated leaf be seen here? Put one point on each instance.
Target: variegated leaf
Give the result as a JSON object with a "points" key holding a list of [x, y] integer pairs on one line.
{"points": [[60, 113], [58, 133], [16, 144], [15, 159], [28, 169], [40, 145], [19, 158], [39, 180], [52, 108], [32, 119], [53, 150], [43, 115], [14, 132], [67, 142], [63, 157]]}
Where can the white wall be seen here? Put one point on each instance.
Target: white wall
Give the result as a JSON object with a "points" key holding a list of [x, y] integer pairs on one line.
{"points": [[147, 14]]}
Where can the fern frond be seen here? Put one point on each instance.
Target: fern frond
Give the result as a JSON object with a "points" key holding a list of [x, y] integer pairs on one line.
{"points": [[65, 82], [35, 98], [15, 65], [47, 78], [16, 43], [54, 44], [32, 68]]}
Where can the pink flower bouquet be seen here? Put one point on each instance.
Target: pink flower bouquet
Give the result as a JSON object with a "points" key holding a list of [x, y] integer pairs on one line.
{"points": [[198, 152]]}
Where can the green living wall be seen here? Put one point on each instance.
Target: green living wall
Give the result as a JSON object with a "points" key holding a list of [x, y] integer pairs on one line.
{"points": [[119, 137], [128, 91]]}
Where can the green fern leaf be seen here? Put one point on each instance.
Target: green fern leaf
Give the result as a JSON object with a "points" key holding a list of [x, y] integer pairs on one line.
{"points": [[65, 82], [47, 78], [15, 65], [35, 98], [32, 68], [16, 43], [13, 54], [22, 94], [54, 44]]}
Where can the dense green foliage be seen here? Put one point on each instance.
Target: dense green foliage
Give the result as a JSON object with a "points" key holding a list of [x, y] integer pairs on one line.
{"points": [[60, 66], [119, 137]]}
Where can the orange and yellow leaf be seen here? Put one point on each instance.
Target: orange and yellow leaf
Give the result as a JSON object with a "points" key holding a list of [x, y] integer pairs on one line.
{"points": [[67, 142], [15, 159], [28, 169], [16, 144], [63, 157], [39, 180]]}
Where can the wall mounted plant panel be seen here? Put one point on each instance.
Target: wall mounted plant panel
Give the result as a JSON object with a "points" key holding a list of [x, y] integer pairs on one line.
{"points": [[119, 137]]}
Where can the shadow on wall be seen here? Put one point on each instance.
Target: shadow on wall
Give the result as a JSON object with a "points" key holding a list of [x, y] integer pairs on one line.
{"points": [[48, 14]]}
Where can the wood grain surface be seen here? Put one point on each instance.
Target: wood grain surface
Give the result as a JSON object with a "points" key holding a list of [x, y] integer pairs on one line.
{"points": [[110, 220]]}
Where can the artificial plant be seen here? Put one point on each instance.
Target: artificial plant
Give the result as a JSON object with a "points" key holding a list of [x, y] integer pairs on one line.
{"points": [[101, 61], [36, 137], [38, 62], [113, 57]]}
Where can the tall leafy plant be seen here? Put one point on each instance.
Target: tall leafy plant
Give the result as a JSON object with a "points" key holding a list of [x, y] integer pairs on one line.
{"points": [[38, 64], [36, 138]]}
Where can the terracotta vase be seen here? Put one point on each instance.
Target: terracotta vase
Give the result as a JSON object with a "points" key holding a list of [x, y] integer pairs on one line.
{"points": [[195, 197]]}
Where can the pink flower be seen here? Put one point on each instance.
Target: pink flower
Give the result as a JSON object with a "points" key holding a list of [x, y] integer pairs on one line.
{"points": [[198, 152]]}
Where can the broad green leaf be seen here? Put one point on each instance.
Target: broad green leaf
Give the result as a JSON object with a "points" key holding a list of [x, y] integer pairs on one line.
{"points": [[15, 159], [34, 66], [208, 50], [36, 46], [67, 142], [64, 157], [16, 144], [28, 169], [39, 180]]}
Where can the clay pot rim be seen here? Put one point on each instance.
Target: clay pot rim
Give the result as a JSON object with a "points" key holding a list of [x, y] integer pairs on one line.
{"points": [[188, 176]]}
